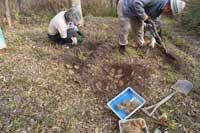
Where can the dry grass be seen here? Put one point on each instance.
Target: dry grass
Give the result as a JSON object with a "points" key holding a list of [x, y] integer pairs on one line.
{"points": [[47, 88]]}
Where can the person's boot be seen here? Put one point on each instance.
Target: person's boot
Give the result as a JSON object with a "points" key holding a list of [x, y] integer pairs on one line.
{"points": [[122, 49]]}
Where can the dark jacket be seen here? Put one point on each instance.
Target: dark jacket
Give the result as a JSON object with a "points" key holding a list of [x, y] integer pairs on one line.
{"points": [[141, 8]]}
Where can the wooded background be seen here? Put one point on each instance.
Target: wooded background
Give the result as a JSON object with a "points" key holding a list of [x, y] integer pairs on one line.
{"points": [[32, 6], [18, 8], [46, 88]]}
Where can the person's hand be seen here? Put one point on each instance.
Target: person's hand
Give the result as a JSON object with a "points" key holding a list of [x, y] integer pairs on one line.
{"points": [[74, 41], [150, 22], [149, 26]]}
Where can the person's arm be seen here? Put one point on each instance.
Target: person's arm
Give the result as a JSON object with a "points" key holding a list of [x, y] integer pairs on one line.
{"points": [[64, 39], [63, 35], [78, 31], [139, 6]]}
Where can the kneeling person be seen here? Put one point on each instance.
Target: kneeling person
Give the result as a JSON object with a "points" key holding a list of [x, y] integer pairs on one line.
{"points": [[63, 28]]}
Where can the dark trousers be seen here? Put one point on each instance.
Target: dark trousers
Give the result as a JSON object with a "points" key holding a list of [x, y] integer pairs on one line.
{"points": [[56, 38]]}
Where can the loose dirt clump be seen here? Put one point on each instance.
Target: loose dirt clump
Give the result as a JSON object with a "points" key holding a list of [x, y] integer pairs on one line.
{"points": [[107, 80], [134, 126], [127, 106]]}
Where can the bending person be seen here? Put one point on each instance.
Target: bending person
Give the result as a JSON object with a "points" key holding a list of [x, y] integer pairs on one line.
{"points": [[140, 11], [63, 28]]}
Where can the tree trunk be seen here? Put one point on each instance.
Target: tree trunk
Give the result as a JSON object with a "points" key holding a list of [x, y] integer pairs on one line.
{"points": [[77, 4], [111, 3], [18, 4], [8, 15]]}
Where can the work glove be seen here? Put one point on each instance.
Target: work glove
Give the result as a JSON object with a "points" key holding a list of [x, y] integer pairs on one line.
{"points": [[153, 42], [150, 42], [74, 41], [146, 26]]}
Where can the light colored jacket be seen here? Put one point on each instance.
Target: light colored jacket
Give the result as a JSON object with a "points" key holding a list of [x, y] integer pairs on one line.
{"points": [[141, 8], [59, 25]]}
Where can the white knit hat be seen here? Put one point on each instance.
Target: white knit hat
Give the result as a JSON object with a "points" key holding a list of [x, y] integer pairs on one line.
{"points": [[177, 6], [73, 14]]}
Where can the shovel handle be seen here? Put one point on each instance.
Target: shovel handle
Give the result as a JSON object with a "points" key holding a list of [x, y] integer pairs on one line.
{"points": [[155, 106], [154, 33], [163, 101], [150, 107]]}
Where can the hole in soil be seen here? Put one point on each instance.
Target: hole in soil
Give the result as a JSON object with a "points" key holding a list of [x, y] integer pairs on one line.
{"points": [[111, 79]]}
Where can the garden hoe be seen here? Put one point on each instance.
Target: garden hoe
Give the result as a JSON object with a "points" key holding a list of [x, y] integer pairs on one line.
{"points": [[182, 86]]}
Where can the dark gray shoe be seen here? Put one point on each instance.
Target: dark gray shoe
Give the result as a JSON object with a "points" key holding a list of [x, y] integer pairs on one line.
{"points": [[122, 49]]}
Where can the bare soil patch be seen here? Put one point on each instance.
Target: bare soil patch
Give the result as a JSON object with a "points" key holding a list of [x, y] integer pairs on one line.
{"points": [[45, 88]]}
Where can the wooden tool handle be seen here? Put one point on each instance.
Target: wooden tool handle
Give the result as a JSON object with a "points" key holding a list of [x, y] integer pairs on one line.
{"points": [[162, 102], [155, 106]]}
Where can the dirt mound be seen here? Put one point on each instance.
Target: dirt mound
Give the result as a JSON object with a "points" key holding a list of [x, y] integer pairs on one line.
{"points": [[98, 72], [107, 80]]}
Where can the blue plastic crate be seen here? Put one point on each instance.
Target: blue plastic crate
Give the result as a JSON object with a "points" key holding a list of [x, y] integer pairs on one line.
{"points": [[2, 40], [126, 95]]}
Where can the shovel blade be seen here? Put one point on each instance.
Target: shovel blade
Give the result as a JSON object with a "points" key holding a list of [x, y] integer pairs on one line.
{"points": [[169, 55], [183, 86]]}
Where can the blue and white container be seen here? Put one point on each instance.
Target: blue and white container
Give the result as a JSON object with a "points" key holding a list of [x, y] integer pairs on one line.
{"points": [[2, 40], [127, 95]]}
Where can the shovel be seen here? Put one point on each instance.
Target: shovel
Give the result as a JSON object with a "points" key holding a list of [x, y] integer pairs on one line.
{"points": [[154, 33], [182, 86]]}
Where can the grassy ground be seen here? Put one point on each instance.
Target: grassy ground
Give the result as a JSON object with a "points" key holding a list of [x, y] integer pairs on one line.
{"points": [[45, 88]]}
